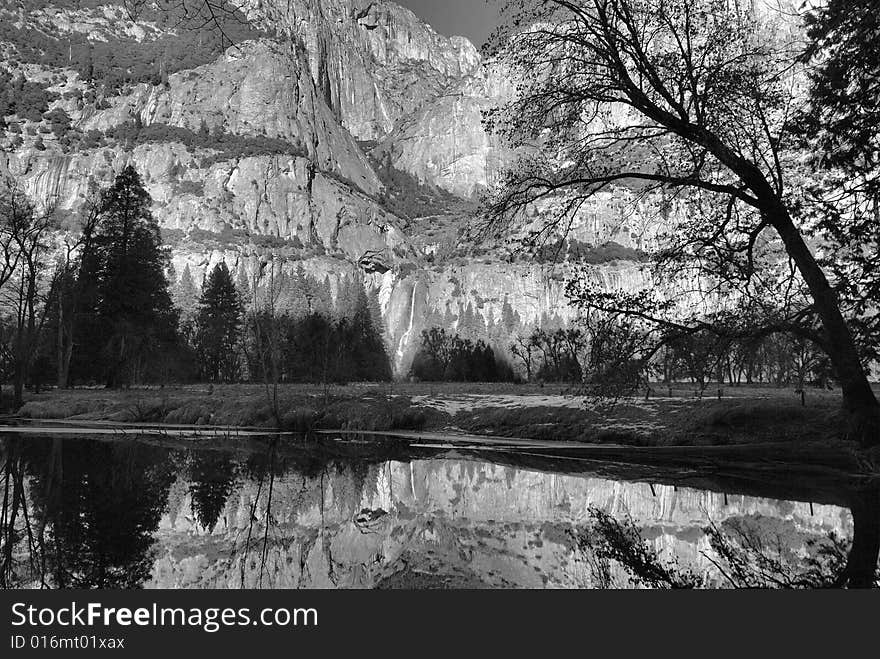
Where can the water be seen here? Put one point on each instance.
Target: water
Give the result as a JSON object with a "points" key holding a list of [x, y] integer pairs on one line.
{"points": [[166, 513]]}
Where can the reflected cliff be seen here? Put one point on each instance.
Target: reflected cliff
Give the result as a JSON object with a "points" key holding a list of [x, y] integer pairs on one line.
{"points": [[109, 514]]}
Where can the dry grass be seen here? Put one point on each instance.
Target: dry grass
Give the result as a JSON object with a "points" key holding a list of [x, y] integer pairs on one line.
{"points": [[744, 415], [301, 408]]}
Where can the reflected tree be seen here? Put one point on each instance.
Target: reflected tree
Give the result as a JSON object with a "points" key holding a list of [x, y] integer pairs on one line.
{"points": [[22, 555], [263, 469], [97, 506], [742, 555], [861, 565], [213, 479]]}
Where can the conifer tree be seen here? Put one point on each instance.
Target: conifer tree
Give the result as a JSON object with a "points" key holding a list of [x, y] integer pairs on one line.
{"points": [[218, 326], [186, 295], [132, 314]]}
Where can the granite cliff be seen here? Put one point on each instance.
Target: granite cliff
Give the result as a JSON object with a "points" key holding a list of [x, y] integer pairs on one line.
{"points": [[278, 148]]}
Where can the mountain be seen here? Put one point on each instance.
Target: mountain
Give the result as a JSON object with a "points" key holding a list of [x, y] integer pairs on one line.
{"points": [[338, 136], [454, 522]]}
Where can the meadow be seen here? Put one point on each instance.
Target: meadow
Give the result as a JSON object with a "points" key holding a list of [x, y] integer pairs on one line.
{"points": [[672, 416]]}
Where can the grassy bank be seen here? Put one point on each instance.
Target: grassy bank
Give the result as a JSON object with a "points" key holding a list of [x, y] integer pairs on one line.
{"points": [[742, 415], [298, 408], [663, 423]]}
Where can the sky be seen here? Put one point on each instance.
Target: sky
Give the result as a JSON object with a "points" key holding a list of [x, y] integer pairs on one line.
{"points": [[474, 19]]}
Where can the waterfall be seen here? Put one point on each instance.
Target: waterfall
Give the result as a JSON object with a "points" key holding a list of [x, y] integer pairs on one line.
{"points": [[404, 340]]}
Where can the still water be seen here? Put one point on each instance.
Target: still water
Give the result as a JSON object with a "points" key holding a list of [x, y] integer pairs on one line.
{"points": [[142, 513]]}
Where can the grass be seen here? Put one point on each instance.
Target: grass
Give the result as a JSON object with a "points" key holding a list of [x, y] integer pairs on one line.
{"points": [[693, 423], [744, 415], [302, 409], [740, 421]]}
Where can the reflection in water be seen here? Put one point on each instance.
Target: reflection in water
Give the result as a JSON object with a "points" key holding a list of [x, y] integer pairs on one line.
{"points": [[107, 514], [743, 554], [211, 475], [86, 512]]}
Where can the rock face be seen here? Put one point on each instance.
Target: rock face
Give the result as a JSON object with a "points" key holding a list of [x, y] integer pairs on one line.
{"points": [[388, 76], [345, 84], [444, 142], [374, 62], [449, 523], [256, 88], [233, 201]]}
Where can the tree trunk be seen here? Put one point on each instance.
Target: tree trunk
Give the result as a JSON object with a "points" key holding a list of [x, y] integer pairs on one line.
{"points": [[18, 376], [860, 403], [65, 360], [62, 353]]}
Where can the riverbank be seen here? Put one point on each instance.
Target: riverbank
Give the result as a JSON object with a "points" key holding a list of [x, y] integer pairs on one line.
{"points": [[741, 415]]}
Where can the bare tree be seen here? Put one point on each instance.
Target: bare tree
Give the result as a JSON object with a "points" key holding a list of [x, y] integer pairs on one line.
{"points": [[697, 99], [193, 14], [264, 325], [26, 233], [523, 347], [70, 283]]}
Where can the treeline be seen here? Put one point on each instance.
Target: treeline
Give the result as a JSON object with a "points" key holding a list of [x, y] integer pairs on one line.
{"points": [[227, 145], [102, 310], [551, 355], [116, 63], [608, 351], [131, 134], [451, 358], [571, 249], [286, 334], [104, 313], [777, 359]]}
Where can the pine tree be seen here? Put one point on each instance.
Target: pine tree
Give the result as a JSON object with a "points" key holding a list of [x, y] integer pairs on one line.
{"points": [[132, 315], [508, 317], [213, 479], [370, 359], [186, 295], [242, 283], [218, 326]]}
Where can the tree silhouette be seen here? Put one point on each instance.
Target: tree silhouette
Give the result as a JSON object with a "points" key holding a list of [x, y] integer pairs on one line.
{"points": [[691, 102], [213, 477], [839, 127], [100, 507], [132, 315], [218, 326]]}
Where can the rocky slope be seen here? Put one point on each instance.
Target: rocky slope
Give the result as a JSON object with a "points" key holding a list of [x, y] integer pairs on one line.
{"points": [[274, 150]]}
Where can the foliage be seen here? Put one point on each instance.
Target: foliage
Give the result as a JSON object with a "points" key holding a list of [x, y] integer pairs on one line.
{"points": [[610, 539], [99, 504], [116, 63], [25, 285], [561, 351], [25, 99], [450, 358], [212, 475], [576, 251], [839, 131], [130, 315], [217, 327], [743, 554], [313, 340], [227, 146], [694, 105], [602, 352]]}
